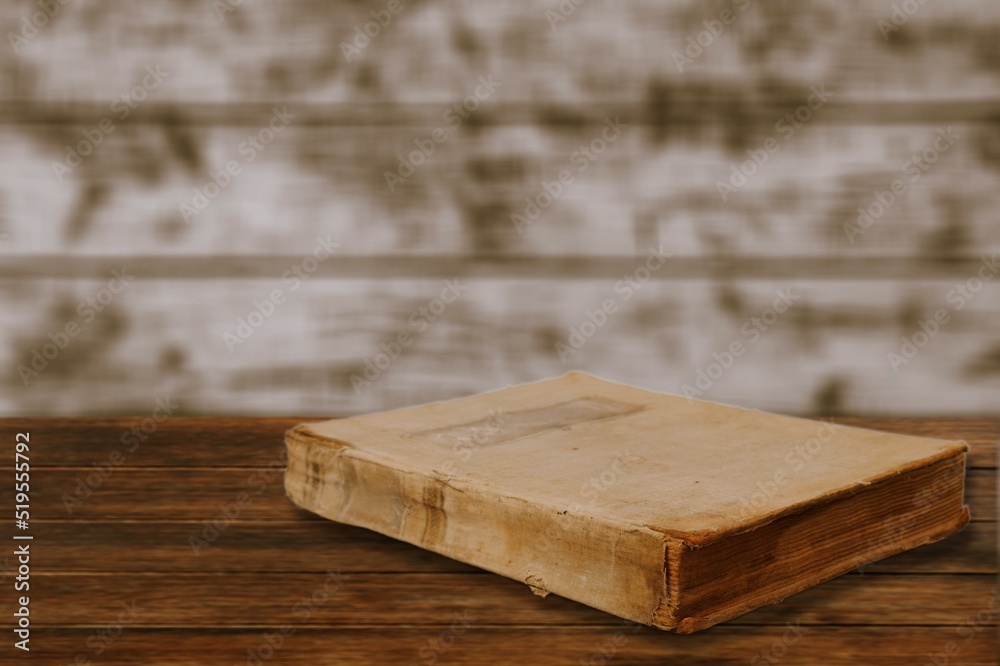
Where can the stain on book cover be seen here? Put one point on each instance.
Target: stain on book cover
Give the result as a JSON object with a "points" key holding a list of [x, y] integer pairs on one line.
{"points": [[500, 425]]}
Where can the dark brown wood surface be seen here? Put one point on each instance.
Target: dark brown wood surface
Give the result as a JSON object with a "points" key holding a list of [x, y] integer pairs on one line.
{"points": [[186, 551]]}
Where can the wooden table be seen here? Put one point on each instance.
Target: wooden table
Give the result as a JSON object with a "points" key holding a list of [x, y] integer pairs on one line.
{"points": [[182, 549]]}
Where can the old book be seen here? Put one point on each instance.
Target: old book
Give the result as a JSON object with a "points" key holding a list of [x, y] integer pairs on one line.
{"points": [[672, 512]]}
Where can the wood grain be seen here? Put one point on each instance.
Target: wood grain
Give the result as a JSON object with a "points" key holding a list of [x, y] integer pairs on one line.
{"points": [[247, 600], [214, 605], [182, 442], [454, 214], [293, 50], [138, 351], [546, 646], [658, 183], [59, 238], [317, 545]]}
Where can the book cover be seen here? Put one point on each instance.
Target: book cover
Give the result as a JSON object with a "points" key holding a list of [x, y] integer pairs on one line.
{"points": [[673, 512]]}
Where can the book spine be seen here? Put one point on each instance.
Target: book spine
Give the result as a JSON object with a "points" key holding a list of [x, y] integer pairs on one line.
{"points": [[620, 569]]}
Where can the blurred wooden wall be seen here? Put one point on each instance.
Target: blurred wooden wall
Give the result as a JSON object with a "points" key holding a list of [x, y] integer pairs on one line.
{"points": [[225, 68]]}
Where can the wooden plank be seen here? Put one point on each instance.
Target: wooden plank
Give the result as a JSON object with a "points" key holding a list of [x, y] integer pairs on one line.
{"points": [[974, 548], [660, 338], [503, 267], [981, 494], [294, 49], [457, 206], [313, 546], [556, 114], [197, 494], [658, 185], [259, 442], [303, 545], [254, 600], [201, 495], [547, 646], [177, 442]]}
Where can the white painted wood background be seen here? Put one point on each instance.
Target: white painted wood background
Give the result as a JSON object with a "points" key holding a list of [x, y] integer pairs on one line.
{"points": [[654, 186]]}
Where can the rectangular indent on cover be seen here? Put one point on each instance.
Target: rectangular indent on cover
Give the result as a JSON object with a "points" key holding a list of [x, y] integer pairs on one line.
{"points": [[502, 426]]}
